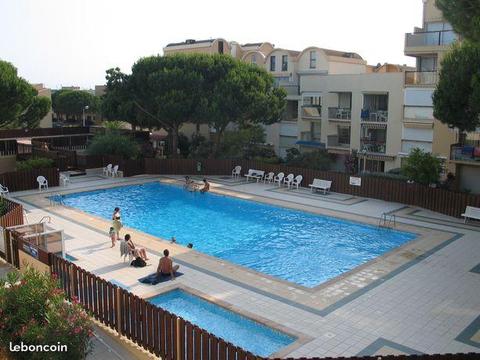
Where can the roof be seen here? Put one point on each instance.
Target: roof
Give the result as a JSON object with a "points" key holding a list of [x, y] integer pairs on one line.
{"points": [[252, 44], [191, 42], [344, 54]]}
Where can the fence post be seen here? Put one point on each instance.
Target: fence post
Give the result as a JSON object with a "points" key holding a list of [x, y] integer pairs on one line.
{"points": [[179, 340], [118, 314]]}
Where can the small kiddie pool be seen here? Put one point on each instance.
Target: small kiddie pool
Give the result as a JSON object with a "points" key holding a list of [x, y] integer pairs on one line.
{"points": [[248, 334]]}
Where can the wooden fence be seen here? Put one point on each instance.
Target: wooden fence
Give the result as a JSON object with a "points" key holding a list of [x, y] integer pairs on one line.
{"points": [[156, 330], [14, 214], [27, 179], [443, 201], [27, 133]]}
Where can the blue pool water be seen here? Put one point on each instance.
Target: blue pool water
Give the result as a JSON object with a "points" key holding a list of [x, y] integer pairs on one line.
{"points": [[296, 246], [240, 331]]}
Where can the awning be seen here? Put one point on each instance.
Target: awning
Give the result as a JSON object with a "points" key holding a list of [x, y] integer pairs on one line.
{"points": [[374, 125], [379, 157], [339, 151], [314, 144]]}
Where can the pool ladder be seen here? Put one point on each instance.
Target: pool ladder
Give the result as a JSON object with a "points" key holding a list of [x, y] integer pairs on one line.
{"points": [[387, 220], [56, 200]]}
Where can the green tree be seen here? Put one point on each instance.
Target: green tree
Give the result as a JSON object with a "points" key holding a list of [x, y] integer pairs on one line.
{"points": [[113, 143], [171, 90], [456, 99], [19, 103], [464, 15], [72, 103], [422, 167], [246, 94]]}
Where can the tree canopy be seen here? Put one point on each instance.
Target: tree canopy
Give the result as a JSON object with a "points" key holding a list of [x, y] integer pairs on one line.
{"points": [[168, 91], [456, 99], [463, 15], [73, 102], [422, 167], [19, 104]]}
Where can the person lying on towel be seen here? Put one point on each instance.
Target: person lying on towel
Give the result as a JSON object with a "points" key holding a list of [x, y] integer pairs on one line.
{"points": [[166, 267]]}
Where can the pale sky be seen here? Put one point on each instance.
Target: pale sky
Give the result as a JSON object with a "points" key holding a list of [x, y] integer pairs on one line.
{"points": [[72, 42]]}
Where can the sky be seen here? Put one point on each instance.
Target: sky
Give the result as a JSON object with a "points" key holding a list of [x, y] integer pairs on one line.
{"points": [[72, 42]]}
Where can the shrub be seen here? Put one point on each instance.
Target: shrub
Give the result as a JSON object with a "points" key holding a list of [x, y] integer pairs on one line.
{"points": [[317, 160], [114, 144], [33, 310], [35, 163], [422, 167]]}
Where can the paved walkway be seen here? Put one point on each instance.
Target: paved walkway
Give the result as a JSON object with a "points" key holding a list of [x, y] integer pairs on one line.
{"points": [[422, 298]]}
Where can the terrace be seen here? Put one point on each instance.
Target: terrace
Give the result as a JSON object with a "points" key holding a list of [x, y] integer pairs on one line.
{"points": [[412, 300]]}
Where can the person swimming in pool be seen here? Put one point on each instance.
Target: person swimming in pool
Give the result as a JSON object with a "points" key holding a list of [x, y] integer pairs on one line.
{"points": [[190, 184], [166, 267], [206, 186]]}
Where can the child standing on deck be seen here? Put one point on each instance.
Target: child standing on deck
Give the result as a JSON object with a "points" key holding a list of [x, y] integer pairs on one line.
{"points": [[113, 235]]}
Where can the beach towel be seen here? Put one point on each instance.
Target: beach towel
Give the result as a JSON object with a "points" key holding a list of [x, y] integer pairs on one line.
{"points": [[153, 279]]}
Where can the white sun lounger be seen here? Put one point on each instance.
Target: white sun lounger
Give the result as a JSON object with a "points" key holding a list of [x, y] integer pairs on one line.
{"points": [[255, 174], [324, 185], [471, 212]]}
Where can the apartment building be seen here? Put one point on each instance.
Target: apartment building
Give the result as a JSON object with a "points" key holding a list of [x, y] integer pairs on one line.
{"points": [[428, 45], [335, 100]]}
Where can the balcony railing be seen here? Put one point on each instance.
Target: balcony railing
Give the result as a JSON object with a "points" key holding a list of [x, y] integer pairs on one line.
{"points": [[290, 88], [373, 147], [312, 111], [335, 141], [430, 38], [339, 113], [421, 77], [465, 153], [374, 115]]}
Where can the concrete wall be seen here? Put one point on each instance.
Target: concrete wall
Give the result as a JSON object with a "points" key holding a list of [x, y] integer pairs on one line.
{"points": [[469, 176], [27, 260]]}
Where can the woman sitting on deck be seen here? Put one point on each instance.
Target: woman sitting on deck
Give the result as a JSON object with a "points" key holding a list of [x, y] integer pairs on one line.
{"points": [[137, 252]]}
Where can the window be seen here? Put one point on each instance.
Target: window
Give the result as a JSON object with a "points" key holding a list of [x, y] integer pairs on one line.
{"points": [[254, 59], [272, 63], [427, 63], [312, 100], [284, 62], [220, 47], [343, 135], [313, 59]]}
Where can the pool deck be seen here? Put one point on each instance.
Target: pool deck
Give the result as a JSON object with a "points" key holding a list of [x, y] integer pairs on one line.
{"points": [[420, 298]]}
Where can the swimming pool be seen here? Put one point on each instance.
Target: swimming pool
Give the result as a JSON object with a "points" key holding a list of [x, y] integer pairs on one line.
{"points": [[239, 330], [292, 245]]}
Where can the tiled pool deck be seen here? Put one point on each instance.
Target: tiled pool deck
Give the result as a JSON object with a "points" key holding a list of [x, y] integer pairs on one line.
{"points": [[421, 298]]}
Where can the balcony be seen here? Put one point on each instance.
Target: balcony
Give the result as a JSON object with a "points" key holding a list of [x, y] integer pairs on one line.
{"points": [[309, 139], [312, 112], [465, 153], [430, 38], [334, 141], [421, 78], [339, 114], [373, 146], [374, 116], [292, 89]]}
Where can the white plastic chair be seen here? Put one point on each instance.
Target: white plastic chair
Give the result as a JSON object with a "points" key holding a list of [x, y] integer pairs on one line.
{"points": [[65, 179], [279, 178], [42, 182], [236, 171], [288, 180], [269, 177], [3, 190], [296, 182], [107, 170], [114, 171]]}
